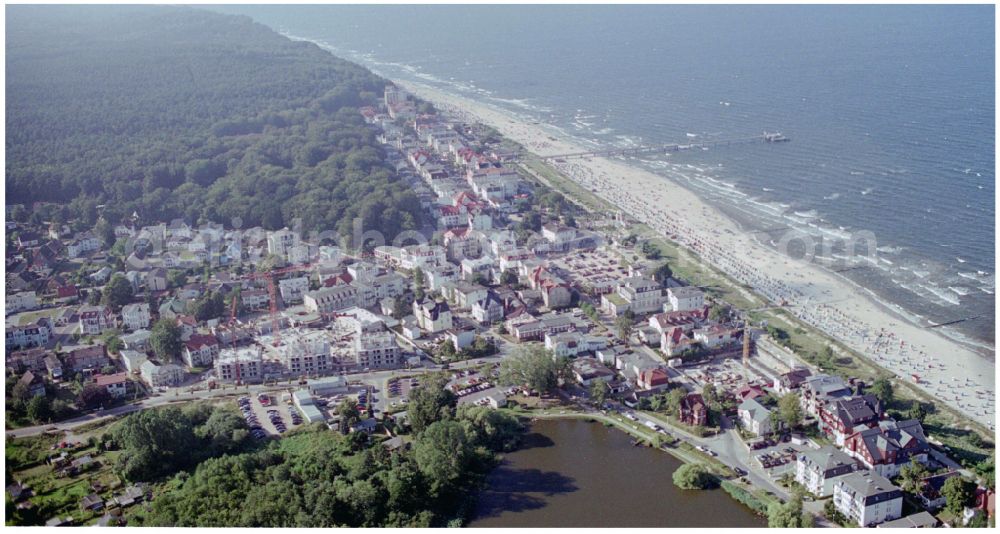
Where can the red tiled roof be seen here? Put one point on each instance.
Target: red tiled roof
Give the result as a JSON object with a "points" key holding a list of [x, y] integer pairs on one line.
{"points": [[197, 341], [456, 233], [106, 380], [342, 278], [654, 377], [67, 291]]}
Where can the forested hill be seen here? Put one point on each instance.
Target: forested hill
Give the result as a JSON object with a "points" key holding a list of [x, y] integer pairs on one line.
{"points": [[181, 112]]}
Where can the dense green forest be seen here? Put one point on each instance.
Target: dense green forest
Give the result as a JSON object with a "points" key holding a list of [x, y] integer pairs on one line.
{"points": [[180, 112], [314, 477]]}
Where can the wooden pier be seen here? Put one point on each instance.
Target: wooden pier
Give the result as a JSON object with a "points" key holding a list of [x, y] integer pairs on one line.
{"points": [[956, 321], [765, 137]]}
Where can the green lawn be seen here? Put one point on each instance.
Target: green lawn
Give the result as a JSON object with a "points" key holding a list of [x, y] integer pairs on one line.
{"points": [[31, 316], [56, 496], [552, 178], [616, 299], [24, 453]]}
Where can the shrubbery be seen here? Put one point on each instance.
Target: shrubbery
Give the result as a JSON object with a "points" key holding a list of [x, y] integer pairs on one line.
{"points": [[318, 478], [743, 496], [694, 476]]}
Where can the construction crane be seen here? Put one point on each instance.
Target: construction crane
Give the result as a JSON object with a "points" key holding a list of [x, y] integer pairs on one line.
{"points": [[275, 321], [272, 291], [231, 325]]}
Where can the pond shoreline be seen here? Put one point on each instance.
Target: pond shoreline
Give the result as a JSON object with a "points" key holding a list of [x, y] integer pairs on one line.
{"points": [[570, 463]]}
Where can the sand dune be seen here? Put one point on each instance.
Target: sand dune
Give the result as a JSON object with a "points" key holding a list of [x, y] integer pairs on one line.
{"points": [[954, 374]]}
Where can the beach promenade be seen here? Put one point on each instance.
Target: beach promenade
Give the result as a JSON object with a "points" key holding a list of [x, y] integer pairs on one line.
{"points": [[948, 371]]}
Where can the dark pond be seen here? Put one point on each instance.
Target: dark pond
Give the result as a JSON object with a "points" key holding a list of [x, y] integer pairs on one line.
{"points": [[578, 474]]}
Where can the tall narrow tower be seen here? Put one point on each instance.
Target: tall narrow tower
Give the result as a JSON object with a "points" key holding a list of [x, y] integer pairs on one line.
{"points": [[392, 96], [746, 342]]}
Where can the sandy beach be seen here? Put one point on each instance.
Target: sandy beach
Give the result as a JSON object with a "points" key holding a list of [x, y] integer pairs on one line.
{"points": [[948, 371]]}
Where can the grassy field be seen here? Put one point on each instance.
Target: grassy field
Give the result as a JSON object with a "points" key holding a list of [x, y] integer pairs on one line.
{"points": [[966, 439], [53, 495], [56, 496], [553, 179], [31, 316], [25, 453]]}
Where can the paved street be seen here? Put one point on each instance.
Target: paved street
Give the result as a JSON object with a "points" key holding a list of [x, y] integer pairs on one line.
{"points": [[732, 452], [376, 379], [729, 449]]}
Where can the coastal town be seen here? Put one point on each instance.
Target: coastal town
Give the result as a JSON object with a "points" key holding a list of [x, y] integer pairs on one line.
{"points": [[106, 318]]}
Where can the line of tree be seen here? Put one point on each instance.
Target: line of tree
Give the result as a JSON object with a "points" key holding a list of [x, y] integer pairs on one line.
{"points": [[317, 478]]}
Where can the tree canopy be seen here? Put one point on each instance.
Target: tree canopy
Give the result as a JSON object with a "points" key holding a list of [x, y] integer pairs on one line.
{"points": [[790, 410], [430, 402], [958, 493], [789, 514], [92, 396], [180, 112], [165, 339], [911, 475], [317, 478], [211, 305], [599, 391], [623, 327], [694, 476], [882, 389], [117, 292], [531, 366], [161, 442]]}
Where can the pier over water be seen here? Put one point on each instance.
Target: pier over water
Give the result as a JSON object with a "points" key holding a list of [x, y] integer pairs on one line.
{"points": [[766, 137]]}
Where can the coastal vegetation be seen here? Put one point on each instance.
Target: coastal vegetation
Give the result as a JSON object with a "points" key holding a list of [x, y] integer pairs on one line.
{"points": [[192, 114]]}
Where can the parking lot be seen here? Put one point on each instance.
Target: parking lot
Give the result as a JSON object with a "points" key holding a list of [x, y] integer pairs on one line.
{"points": [[779, 458], [397, 394], [399, 387], [473, 387], [267, 416], [369, 398]]}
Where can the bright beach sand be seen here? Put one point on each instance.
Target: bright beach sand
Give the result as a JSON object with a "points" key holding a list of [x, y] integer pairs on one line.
{"points": [[950, 372]]}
